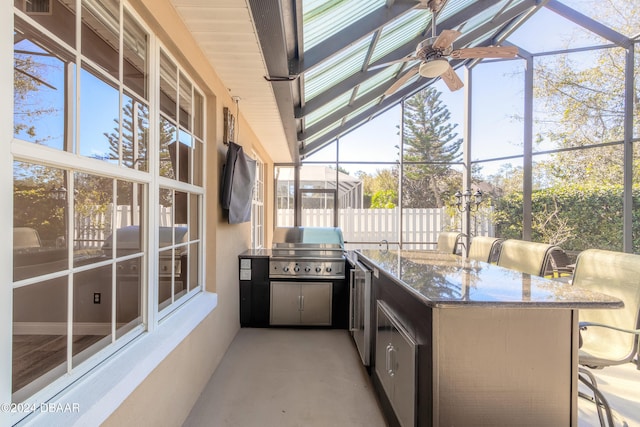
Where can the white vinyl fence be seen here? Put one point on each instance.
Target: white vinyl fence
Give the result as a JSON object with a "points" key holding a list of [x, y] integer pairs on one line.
{"points": [[375, 225], [92, 228]]}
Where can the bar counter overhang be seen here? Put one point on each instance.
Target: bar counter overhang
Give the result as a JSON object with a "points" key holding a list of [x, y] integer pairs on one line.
{"points": [[494, 346]]}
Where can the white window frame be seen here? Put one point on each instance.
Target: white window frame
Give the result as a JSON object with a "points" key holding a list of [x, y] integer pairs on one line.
{"points": [[29, 152], [257, 206]]}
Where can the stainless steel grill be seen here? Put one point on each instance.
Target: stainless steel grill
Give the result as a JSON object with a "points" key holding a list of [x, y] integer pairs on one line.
{"points": [[128, 242], [307, 253]]}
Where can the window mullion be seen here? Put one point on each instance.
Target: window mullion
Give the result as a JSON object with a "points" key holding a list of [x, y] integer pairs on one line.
{"points": [[153, 214]]}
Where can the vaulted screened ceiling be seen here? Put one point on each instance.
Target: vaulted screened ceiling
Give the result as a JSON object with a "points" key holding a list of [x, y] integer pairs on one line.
{"points": [[323, 57]]}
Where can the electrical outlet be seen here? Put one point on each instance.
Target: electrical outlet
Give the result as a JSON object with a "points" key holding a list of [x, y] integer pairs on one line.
{"points": [[96, 297]]}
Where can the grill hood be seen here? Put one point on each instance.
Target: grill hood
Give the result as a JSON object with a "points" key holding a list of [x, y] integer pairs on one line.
{"points": [[308, 236]]}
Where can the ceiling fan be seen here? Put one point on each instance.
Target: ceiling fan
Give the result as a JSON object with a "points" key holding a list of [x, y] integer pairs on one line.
{"points": [[434, 51]]}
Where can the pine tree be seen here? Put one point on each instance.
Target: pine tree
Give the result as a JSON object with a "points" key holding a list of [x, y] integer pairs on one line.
{"points": [[429, 139]]}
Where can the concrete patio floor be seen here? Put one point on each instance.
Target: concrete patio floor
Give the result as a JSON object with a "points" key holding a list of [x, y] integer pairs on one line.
{"points": [[305, 377]]}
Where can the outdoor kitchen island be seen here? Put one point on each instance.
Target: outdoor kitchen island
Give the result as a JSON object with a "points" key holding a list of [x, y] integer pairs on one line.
{"points": [[458, 342]]}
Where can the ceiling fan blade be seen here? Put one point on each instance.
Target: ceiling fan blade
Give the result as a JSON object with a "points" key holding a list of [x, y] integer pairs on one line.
{"points": [[401, 81], [485, 52], [445, 39], [451, 79], [405, 59]]}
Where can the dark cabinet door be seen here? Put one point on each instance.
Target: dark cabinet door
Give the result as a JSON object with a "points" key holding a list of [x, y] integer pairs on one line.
{"points": [[254, 291]]}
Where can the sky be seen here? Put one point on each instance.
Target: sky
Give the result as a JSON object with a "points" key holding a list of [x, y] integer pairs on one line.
{"points": [[495, 130]]}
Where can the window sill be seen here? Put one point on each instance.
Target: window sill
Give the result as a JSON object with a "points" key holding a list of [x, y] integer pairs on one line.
{"points": [[98, 394]]}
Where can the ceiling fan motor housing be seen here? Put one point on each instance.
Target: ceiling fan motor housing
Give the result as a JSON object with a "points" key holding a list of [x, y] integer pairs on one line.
{"points": [[425, 50]]}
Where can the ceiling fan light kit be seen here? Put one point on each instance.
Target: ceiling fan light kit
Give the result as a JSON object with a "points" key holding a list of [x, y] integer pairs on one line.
{"points": [[433, 68]]}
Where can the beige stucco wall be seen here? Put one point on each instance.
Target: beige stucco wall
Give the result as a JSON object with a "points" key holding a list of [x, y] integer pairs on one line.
{"points": [[168, 393]]}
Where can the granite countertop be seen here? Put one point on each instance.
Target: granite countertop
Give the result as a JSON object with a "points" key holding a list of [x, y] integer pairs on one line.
{"points": [[254, 253], [444, 280]]}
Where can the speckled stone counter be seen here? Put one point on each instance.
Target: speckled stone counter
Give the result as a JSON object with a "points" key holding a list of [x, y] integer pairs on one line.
{"points": [[493, 347], [448, 280], [255, 253]]}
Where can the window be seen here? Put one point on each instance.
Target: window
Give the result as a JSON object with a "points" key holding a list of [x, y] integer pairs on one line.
{"points": [[86, 277], [257, 206], [285, 195], [54, 265], [181, 155]]}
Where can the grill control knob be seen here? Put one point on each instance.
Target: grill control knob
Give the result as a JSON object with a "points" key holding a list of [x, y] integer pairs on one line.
{"points": [[318, 269], [285, 268], [307, 269], [329, 269], [296, 268]]}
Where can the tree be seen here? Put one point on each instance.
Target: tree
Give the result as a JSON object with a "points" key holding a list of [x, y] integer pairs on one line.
{"points": [[134, 138], [430, 142], [385, 199], [583, 97], [29, 79], [380, 189]]}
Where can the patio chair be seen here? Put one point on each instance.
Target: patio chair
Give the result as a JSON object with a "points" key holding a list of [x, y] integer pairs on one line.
{"points": [[558, 264], [448, 242], [524, 256], [484, 248], [608, 337]]}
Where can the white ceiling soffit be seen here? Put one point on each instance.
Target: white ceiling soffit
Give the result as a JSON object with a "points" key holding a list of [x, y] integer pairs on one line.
{"points": [[225, 32]]}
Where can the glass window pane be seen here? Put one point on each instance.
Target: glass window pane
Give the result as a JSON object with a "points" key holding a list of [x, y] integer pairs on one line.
{"points": [[285, 193], [166, 208], [172, 264], [180, 271], [168, 86], [99, 118], [92, 300], [167, 139], [181, 158], [39, 220], [59, 17], [198, 158], [135, 61], [39, 335], [194, 262], [128, 295], [42, 72], [181, 209], [186, 104], [93, 220], [165, 268], [100, 34], [135, 134], [130, 204], [194, 216], [141, 161], [198, 115]]}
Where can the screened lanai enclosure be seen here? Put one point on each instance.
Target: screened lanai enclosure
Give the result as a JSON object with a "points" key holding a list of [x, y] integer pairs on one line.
{"points": [[394, 120], [547, 135]]}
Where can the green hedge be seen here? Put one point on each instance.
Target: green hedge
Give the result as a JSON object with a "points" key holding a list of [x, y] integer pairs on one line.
{"points": [[577, 217]]}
